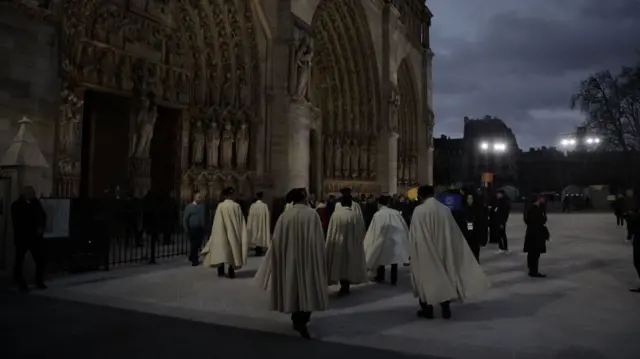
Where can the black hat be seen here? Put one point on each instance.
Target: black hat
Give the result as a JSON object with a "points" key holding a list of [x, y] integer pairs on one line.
{"points": [[228, 191], [345, 191]]}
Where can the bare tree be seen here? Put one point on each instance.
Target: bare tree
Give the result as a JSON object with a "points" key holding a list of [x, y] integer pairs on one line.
{"points": [[611, 104]]}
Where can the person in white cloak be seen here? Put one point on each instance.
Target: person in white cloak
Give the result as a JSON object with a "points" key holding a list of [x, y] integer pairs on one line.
{"points": [[354, 205], [294, 268], [346, 262], [387, 241], [443, 267], [259, 225], [228, 242]]}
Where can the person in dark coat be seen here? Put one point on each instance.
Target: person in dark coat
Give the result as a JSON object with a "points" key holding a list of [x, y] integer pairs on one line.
{"points": [[536, 235], [369, 209], [475, 218], [498, 221], [29, 221], [619, 209]]}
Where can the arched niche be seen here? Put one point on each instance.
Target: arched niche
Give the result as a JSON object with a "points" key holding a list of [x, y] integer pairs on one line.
{"points": [[345, 87], [408, 129]]}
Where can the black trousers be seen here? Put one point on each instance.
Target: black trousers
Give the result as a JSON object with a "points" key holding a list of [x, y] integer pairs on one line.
{"points": [[300, 319], [533, 261], [260, 251], [380, 274], [230, 270], [426, 306], [629, 231], [619, 220], [196, 236], [503, 243], [36, 247]]}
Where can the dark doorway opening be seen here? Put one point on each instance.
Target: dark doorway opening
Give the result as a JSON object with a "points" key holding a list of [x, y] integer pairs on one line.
{"points": [[105, 143], [164, 151]]}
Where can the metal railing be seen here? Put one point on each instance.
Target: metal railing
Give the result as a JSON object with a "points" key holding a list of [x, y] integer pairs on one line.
{"points": [[107, 233]]}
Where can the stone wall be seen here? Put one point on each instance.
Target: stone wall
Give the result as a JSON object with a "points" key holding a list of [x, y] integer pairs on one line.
{"points": [[29, 83]]}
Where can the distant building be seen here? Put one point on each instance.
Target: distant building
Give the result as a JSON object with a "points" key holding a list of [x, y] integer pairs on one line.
{"points": [[448, 155]]}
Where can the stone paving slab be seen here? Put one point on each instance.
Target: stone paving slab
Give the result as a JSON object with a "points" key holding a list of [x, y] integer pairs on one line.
{"points": [[583, 310]]}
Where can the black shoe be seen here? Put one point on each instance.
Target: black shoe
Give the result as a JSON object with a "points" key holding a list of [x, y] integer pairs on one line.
{"points": [[221, 271], [23, 288], [232, 273], [446, 311], [425, 314], [634, 290], [195, 264], [303, 331], [537, 275], [41, 286]]}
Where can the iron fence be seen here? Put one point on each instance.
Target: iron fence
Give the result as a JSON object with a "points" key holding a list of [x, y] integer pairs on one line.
{"points": [[104, 233]]}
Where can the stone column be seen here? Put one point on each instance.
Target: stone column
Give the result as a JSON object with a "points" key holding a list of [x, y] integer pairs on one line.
{"points": [[300, 119], [393, 163]]}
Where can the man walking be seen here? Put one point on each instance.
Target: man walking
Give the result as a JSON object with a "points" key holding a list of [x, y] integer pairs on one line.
{"points": [[193, 222], [29, 221]]}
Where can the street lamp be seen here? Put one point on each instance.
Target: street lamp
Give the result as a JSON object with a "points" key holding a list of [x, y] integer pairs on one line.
{"points": [[495, 147]]}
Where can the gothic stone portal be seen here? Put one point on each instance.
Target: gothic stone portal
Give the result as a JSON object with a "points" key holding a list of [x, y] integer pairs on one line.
{"points": [[159, 55]]}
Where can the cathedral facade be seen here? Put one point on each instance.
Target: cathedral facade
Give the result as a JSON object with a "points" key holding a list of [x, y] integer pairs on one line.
{"points": [[191, 95]]}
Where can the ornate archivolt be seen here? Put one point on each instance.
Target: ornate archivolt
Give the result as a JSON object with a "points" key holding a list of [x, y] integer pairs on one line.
{"points": [[345, 87], [406, 105], [199, 55]]}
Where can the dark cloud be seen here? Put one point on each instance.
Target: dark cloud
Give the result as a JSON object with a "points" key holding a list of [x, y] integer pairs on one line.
{"points": [[522, 60]]}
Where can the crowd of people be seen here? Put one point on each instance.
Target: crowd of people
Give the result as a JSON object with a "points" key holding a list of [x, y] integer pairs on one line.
{"points": [[347, 241]]}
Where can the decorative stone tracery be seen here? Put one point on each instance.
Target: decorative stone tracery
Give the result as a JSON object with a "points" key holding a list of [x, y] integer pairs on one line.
{"points": [[405, 103], [199, 56], [345, 87]]}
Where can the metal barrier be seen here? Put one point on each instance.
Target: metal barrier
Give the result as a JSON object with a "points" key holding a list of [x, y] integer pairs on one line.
{"points": [[110, 232]]}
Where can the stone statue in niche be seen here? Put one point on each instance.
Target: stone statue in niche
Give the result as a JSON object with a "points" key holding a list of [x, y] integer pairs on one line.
{"points": [[213, 145], [303, 57], [328, 156], [355, 157], [346, 158], [373, 151], [107, 68], [394, 104], [198, 143], [227, 145], [145, 122], [337, 157], [413, 169], [364, 149], [123, 74], [70, 121], [401, 169], [87, 63], [242, 145]]}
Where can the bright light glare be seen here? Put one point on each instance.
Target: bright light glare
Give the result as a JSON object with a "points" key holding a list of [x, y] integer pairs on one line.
{"points": [[484, 146], [568, 142], [592, 140], [499, 147]]}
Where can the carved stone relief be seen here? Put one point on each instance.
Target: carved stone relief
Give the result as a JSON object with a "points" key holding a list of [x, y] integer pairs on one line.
{"points": [[178, 52]]}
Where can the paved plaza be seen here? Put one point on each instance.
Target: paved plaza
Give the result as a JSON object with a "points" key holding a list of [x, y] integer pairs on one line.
{"points": [[582, 310]]}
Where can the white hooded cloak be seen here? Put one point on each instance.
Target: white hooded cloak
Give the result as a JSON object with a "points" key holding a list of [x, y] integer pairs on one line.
{"points": [[259, 224], [228, 241], [387, 239], [443, 267], [344, 248], [294, 269]]}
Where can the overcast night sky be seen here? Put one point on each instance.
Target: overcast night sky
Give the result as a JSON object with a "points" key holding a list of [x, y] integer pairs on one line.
{"points": [[521, 60]]}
